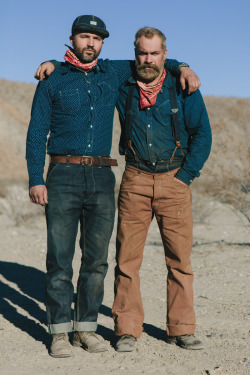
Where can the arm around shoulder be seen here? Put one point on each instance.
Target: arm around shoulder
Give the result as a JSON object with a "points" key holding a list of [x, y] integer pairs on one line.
{"points": [[45, 69], [188, 78]]}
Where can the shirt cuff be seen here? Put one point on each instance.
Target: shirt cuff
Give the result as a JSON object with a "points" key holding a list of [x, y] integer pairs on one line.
{"points": [[184, 177], [56, 63], [183, 65], [35, 180]]}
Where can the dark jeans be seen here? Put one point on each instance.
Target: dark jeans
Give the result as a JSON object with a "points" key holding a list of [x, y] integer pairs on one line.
{"points": [[85, 194]]}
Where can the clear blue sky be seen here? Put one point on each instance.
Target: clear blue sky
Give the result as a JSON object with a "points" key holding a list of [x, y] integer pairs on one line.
{"points": [[212, 36]]}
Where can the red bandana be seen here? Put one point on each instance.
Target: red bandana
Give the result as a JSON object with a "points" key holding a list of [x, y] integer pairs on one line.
{"points": [[148, 94], [72, 59]]}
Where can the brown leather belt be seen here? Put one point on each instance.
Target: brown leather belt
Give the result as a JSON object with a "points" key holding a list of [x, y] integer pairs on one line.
{"points": [[101, 161]]}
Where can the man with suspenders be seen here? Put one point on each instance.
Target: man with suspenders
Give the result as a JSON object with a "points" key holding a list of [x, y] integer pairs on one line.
{"points": [[166, 139]]}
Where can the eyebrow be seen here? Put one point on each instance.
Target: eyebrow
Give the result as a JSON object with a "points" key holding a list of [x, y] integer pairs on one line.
{"points": [[140, 51]]}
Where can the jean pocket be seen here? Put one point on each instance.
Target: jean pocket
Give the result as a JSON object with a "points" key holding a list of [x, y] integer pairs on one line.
{"points": [[51, 169], [179, 185]]}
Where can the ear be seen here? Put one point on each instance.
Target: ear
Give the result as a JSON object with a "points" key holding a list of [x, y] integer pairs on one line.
{"points": [[165, 54], [71, 38]]}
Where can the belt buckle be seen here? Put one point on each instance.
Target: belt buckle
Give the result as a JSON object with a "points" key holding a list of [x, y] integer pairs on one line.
{"points": [[86, 157]]}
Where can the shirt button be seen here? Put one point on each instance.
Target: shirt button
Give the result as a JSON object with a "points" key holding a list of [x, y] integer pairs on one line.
{"points": [[148, 126], [91, 126], [91, 108], [89, 91], [150, 144], [86, 73], [148, 109], [153, 163], [89, 145]]}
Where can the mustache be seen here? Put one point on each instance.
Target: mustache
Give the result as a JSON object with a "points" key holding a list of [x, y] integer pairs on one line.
{"points": [[143, 67], [89, 48]]}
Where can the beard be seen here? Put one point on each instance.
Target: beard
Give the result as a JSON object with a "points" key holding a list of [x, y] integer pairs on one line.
{"points": [[148, 75], [84, 56]]}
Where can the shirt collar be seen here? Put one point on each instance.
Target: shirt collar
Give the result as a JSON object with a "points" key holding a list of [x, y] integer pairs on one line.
{"points": [[99, 67]]}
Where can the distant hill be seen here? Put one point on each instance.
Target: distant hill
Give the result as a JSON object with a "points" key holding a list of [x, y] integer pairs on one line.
{"points": [[226, 173]]}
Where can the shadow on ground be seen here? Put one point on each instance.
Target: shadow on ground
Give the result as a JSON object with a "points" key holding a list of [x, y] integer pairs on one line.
{"points": [[28, 292]]}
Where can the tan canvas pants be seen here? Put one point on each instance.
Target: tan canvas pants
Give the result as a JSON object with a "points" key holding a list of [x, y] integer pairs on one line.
{"points": [[143, 195]]}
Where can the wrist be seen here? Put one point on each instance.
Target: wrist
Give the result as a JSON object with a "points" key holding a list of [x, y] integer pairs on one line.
{"points": [[183, 65]]}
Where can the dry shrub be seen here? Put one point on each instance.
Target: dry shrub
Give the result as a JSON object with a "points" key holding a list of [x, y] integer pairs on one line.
{"points": [[227, 169]]}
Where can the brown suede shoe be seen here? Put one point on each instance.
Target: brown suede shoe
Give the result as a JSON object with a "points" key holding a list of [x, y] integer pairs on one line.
{"points": [[189, 342], [89, 341], [60, 346]]}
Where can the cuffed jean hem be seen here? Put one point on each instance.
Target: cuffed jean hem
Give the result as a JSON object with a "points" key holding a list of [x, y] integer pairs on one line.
{"points": [[180, 329], [85, 326], [60, 328]]}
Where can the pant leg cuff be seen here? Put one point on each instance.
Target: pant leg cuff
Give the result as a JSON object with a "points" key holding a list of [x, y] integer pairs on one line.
{"points": [[85, 326], [60, 328], [180, 329], [134, 330]]}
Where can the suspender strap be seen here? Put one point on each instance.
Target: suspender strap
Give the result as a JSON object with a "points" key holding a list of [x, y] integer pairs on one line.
{"points": [[174, 112], [175, 119], [128, 121], [128, 114]]}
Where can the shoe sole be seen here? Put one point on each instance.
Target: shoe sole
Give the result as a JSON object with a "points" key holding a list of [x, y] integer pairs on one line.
{"points": [[84, 347], [60, 355], [190, 347], [124, 350], [187, 347]]}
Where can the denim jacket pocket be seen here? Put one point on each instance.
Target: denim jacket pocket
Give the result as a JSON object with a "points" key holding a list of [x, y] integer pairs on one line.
{"points": [[70, 99], [107, 93], [163, 112]]}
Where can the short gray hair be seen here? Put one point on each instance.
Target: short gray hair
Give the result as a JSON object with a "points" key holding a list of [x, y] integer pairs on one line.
{"points": [[150, 32]]}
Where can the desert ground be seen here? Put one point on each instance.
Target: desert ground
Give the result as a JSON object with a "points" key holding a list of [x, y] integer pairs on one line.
{"points": [[220, 259]]}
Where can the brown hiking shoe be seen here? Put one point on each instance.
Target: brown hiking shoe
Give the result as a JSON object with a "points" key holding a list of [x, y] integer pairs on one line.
{"points": [[89, 341], [125, 343], [60, 346], [189, 342]]}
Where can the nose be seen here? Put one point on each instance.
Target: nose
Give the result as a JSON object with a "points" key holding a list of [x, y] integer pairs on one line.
{"points": [[148, 59], [91, 42]]}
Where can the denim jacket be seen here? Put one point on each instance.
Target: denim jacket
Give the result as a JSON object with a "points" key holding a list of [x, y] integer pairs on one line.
{"points": [[152, 133]]}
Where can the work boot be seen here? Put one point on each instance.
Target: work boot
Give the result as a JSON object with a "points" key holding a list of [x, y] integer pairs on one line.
{"points": [[189, 342], [125, 343], [60, 346], [89, 341]]}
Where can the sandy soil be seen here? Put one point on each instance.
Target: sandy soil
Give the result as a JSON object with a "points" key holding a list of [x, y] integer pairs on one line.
{"points": [[220, 263], [220, 260]]}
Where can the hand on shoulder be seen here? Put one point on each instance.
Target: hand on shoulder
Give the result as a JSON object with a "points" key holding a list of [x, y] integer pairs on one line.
{"points": [[193, 81], [44, 70]]}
